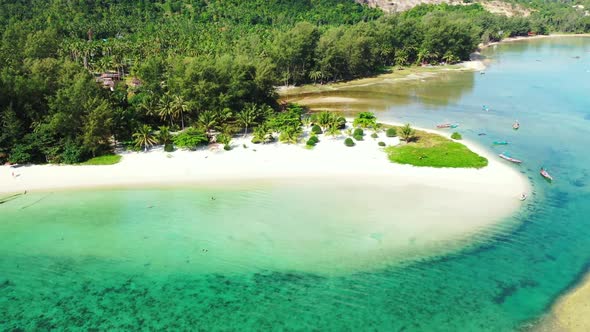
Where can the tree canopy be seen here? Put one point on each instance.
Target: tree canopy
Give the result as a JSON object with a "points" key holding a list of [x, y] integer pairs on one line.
{"points": [[78, 76]]}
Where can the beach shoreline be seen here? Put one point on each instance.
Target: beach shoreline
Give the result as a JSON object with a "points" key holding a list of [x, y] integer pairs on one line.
{"points": [[474, 198], [429, 205], [571, 311], [256, 163]]}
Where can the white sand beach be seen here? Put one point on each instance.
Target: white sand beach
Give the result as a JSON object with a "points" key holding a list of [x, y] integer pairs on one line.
{"points": [[330, 158]]}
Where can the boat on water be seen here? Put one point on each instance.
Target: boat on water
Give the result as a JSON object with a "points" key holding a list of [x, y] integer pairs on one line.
{"points": [[510, 159], [443, 125], [500, 143], [515, 125], [546, 174], [454, 125], [523, 196]]}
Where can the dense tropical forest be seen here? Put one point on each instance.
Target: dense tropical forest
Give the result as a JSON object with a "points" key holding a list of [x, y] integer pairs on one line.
{"points": [[78, 77]]}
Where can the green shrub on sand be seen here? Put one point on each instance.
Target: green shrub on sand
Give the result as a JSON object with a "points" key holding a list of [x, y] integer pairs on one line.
{"points": [[391, 132], [312, 141], [349, 142], [316, 129], [110, 159], [433, 150], [365, 120]]}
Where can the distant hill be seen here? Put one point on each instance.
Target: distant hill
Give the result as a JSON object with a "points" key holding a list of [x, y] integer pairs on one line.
{"points": [[493, 6]]}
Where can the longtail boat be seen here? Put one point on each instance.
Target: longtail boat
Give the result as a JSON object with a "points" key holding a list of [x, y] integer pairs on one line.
{"points": [[546, 175], [510, 159], [454, 125], [443, 125], [500, 143], [515, 125]]}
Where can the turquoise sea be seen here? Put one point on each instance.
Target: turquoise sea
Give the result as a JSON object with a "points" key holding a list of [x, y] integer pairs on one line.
{"points": [[279, 256]]}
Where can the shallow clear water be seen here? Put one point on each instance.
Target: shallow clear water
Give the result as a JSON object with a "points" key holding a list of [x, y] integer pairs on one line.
{"points": [[126, 259]]}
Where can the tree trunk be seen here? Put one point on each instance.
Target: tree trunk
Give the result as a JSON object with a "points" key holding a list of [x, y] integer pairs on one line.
{"points": [[245, 131], [182, 119]]}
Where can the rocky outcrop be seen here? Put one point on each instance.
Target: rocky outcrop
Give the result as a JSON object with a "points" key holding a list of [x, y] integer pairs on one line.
{"points": [[493, 6]]}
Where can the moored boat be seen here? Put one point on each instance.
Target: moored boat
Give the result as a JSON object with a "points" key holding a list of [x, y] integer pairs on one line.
{"points": [[510, 159], [500, 143], [515, 125], [546, 174], [443, 125]]}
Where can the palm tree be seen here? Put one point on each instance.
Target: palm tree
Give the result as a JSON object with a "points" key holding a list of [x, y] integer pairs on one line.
{"points": [[407, 133], [165, 110], [164, 136], [333, 131], [306, 120], [402, 57], [144, 137], [315, 75], [263, 133], [149, 105], [326, 119], [178, 107], [207, 121], [247, 117], [450, 58], [290, 135]]}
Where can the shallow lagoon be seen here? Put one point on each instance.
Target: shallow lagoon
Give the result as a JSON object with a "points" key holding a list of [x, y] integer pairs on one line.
{"points": [[57, 272]]}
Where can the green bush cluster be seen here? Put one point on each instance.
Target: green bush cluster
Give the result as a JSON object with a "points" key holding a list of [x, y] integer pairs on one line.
{"points": [[391, 132], [365, 120], [169, 147], [312, 141], [191, 138], [358, 132], [223, 139], [316, 129], [374, 135], [456, 136], [381, 143], [349, 142]]}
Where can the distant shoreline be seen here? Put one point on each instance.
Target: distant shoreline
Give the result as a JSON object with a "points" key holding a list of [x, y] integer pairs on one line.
{"points": [[415, 72], [525, 38]]}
